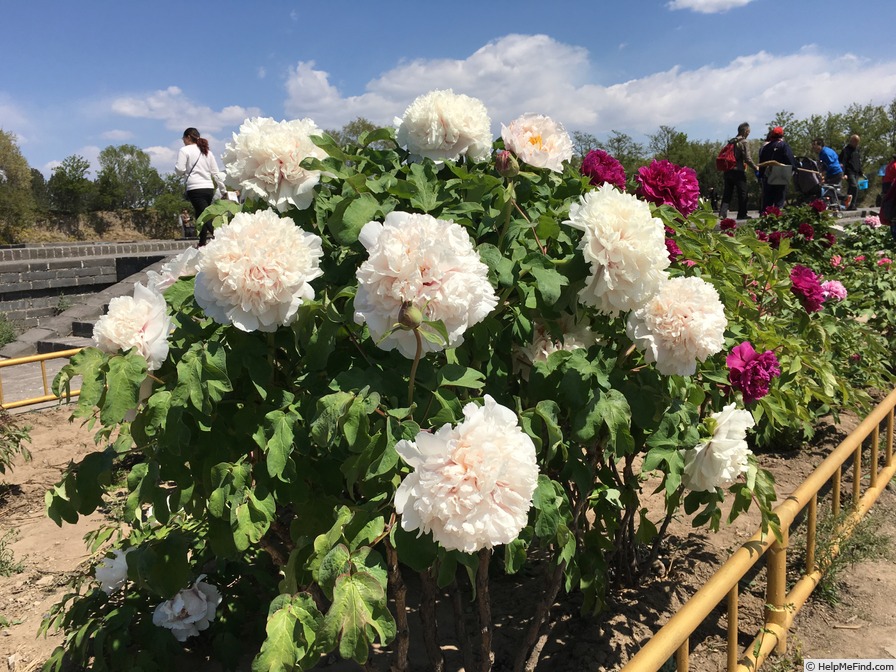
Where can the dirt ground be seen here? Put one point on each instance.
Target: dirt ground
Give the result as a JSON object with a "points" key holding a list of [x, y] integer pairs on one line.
{"points": [[861, 625]]}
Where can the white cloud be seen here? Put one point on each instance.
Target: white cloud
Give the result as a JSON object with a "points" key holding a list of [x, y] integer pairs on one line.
{"points": [[13, 119], [117, 135], [707, 6], [261, 73], [535, 73], [179, 112]]}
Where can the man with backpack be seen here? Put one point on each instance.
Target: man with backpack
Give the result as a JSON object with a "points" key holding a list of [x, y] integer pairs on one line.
{"points": [[735, 175]]}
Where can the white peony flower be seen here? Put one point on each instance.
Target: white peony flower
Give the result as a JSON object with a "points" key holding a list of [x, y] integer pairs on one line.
{"points": [[426, 261], [140, 321], [190, 611], [255, 271], [264, 161], [625, 245], [684, 322], [112, 572], [183, 265], [472, 485], [574, 336], [539, 141], [718, 462], [443, 126]]}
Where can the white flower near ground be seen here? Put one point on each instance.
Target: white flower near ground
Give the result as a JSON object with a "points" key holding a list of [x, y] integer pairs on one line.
{"points": [[190, 611], [183, 265], [718, 462], [539, 141], [681, 324], [472, 484], [264, 160], [255, 273], [112, 572], [428, 262], [625, 246], [443, 126], [140, 321], [574, 336]]}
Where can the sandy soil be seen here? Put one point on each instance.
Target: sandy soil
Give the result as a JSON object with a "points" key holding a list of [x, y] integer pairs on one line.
{"points": [[863, 624]]}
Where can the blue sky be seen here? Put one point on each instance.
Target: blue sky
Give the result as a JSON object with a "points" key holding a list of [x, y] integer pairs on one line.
{"points": [[79, 76]]}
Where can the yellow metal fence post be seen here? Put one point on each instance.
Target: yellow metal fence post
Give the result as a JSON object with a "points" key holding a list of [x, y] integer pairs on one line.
{"points": [[811, 525], [732, 629], [776, 587]]}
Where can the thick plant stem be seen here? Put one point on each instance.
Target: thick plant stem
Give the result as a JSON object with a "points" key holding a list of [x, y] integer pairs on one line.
{"points": [[460, 626], [413, 375], [400, 594], [428, 617], [486, 655], [525, 660]]}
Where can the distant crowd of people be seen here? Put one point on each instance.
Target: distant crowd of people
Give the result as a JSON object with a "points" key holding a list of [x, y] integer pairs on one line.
{"points": [[776, 166]]}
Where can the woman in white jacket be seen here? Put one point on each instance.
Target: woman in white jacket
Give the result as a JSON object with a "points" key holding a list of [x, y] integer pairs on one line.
{"points": [[198, 166]]}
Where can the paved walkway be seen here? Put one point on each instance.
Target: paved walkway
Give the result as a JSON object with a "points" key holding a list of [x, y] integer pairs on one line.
{"points": [[25, 381]]}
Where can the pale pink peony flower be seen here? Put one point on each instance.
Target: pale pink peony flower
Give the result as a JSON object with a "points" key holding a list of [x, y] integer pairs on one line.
{"points": [[428, 262], [112, 572], [188, 612], [625, 246], [140, 321], [680, 325], [574, 336], [444, 126], [472, 485], [873, 221], [539, 141], [255, 273], [833, 288], [836, 260], [264, 161], [183, 265], [718, 462]]}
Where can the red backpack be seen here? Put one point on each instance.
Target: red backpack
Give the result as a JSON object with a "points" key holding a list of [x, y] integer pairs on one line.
{"points": [[725, 160]]}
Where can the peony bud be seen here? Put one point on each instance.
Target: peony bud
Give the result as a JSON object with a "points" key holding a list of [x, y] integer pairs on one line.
{"points": [[506, 164], [409, 316]]}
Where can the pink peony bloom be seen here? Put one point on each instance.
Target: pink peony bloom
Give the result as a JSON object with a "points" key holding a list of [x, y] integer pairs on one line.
{"points": [[836, 261], [751, 372], [664, 183], [674, 250], [818, 205], [806, 231], [833, 288], [884, 261], [807, 288], [861, 257], [603, 168], [873, 221]]}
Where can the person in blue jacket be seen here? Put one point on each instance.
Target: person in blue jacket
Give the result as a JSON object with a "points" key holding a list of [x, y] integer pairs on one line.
{"points": [[833, 171]]}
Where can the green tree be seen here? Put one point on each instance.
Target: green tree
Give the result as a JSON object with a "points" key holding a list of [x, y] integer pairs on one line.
{"points": [[126, 179], [625, 150], [350, 132], [582, 143], [16, 201], [70, 189], [39, 190]]}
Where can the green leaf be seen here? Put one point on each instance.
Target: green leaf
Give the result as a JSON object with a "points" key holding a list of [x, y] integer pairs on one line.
{"points": [[357, 614], [350, 216], [278, 446], [291, 633], [426, 185], [499, 266], [460, 376], [335, 564], [126, 374]]}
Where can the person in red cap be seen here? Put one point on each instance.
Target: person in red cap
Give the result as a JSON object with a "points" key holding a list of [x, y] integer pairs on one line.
{"points": [[775, 169]]}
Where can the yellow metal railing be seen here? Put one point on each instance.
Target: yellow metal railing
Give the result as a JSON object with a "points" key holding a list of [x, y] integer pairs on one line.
{"points": [[31, 359], [782, 606]]}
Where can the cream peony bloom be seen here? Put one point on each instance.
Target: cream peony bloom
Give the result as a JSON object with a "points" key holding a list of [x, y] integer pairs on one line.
{"points": [[112, 572], [140, 321], [426, 261], [625, 245], [255, 271], [264, 161], [717, 463], [183, 265], [684, 322], [190, 611], [575, 335], [539, 141], [472, 485], [443, 126]]}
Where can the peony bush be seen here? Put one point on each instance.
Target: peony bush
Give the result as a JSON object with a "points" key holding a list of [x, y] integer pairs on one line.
{"points": [[435, 353]]}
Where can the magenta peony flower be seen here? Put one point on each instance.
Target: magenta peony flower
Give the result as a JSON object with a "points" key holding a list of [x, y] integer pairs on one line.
{"points": [[674, 250], [603, 168], [727, 224], [818, 205], [806, 231], [772, 211], [807, 288], [664, 183], [829, 239], [761, 235], [774, 238], [751, 372], [833, 288]]}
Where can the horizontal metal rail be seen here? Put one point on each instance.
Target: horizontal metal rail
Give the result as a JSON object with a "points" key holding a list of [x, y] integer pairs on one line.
{"points": [[31, 359], [673, 638]]}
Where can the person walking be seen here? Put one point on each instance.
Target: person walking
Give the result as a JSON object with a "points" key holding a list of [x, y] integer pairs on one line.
{"points": [[197, 165], [827, 157], [775, 169], [735, 180], [851, 160]]}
